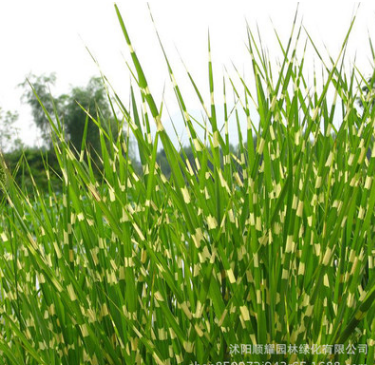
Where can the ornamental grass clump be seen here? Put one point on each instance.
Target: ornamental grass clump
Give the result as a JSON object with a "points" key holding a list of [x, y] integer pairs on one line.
{"points": [[263, 254]]}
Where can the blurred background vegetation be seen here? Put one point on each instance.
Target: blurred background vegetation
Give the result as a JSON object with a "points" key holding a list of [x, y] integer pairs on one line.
{"points": [[69, 110], [74, 110]]}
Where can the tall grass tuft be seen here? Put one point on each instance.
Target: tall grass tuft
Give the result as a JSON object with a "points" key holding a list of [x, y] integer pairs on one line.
{"points": [[270, 245]]}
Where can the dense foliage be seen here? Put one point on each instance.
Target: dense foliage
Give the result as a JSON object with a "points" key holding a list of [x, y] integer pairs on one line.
{"points": [[74, 111], [28, 167], [270, 245]]}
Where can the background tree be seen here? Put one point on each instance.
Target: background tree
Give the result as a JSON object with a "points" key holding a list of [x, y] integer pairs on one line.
{"points": [[94, 100], [42, 86], [9, 139], [68, 108]]}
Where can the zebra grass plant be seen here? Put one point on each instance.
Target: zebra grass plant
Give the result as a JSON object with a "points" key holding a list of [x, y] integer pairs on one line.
{"points": [[262, 255]]}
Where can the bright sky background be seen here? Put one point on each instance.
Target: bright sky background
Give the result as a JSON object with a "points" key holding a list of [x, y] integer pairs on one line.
{"points": [[43, 36]]}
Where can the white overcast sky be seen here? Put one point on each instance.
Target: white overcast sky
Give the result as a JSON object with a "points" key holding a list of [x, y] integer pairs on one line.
{"points": [[43, 36]]}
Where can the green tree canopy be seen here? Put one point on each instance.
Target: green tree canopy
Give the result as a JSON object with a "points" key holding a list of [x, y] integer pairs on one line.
{"points": [[72, 110], [94, 100], [41, 86], [8, 132]]}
